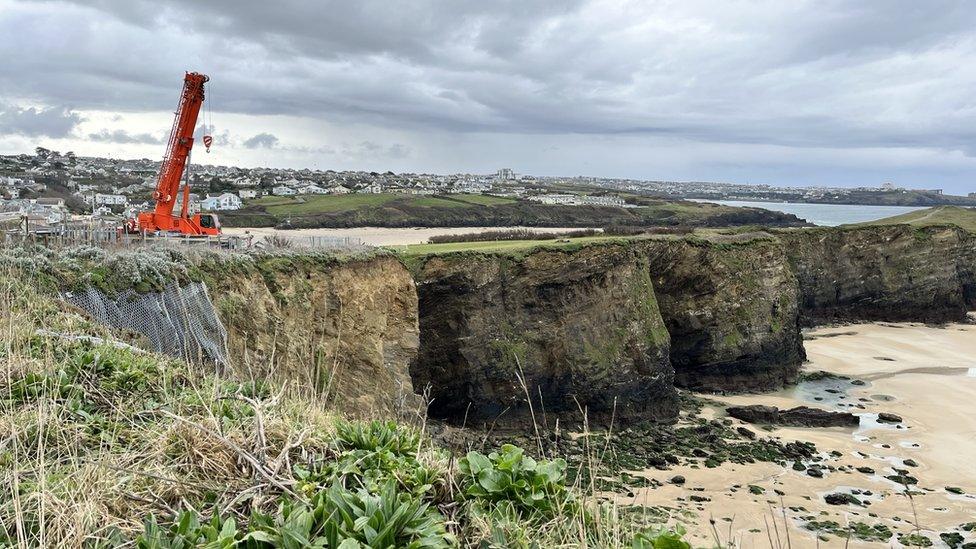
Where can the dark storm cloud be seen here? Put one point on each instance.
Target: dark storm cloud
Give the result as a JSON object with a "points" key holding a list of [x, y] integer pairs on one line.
{"points": [[37, 122], [261, 140], [797, 74]]}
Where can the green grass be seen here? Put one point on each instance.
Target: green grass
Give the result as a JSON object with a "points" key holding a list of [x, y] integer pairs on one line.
{"points": [[483, 199], [329, 203], [496, 245], [939, 215], [437, 202]]}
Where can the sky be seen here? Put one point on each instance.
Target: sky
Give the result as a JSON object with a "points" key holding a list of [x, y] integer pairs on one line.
{"points": [[800, 93]]}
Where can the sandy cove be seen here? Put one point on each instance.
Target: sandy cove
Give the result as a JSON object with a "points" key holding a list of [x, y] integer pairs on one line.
{"points": [[927, 375]]}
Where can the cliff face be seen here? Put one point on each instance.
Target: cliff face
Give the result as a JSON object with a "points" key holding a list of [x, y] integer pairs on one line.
{"points": [[347, 329], [893, 273], [731, 311], [581, 328]]}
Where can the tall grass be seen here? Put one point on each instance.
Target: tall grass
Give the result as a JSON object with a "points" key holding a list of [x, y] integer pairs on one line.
{"points": [[102, 444]]}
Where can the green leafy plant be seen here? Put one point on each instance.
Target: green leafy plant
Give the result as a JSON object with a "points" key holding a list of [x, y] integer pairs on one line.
{"points": [[661, 539], [334, 518], [533, 487], [377, 436]]}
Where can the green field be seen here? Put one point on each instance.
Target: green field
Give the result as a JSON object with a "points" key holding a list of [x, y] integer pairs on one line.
{"points": [[939, 215], [497, 245], [484, 199], [469, 210], [282, 205]]}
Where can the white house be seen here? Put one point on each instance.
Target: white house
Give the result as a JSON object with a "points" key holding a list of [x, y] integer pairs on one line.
{"points": [[372, 188], [311, 189], [246, 194], [338, 189], [225, 201], [110, 200], [283, 190]]}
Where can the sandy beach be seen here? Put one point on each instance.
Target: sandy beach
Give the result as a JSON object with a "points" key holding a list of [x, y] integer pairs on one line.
{"points": [[384, 236], [926, 375]]}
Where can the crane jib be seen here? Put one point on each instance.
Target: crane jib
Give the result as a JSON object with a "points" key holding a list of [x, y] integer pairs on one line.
{"points": [[173, 168]]}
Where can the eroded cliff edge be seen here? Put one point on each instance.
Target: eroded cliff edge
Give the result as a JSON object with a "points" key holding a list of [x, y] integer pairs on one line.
{"points": [[606, 329], [580, 327], [730, 307], [346, 327], [889, 273], [604, 326]]}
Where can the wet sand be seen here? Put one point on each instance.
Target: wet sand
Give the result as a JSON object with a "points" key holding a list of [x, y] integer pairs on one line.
{"points": [[927, 375], [383, 236]]}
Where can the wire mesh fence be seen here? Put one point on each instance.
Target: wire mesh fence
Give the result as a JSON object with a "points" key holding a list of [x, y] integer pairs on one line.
{"points": [[112, 238], [180, 321]]}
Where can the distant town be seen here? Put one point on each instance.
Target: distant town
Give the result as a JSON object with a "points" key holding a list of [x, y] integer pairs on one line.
{"points": [[51, 187]]}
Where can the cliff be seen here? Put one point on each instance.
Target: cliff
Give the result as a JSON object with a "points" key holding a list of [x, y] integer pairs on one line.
{"points": [[609, 327], [890, 273], [346, 328], [731, 309], [580, 327]]}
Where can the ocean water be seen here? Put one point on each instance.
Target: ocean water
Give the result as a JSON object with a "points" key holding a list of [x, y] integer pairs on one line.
{"points": [[828, 215]]}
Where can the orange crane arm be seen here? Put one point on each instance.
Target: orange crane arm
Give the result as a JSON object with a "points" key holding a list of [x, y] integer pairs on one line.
{"points": [[162, 219], [180, 144]]}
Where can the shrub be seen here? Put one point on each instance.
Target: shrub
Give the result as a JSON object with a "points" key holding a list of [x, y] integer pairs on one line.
{"points": [[533, 487], [334, 518]]}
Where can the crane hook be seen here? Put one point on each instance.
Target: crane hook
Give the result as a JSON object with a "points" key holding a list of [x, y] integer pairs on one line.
{"points": [[207, 141]]}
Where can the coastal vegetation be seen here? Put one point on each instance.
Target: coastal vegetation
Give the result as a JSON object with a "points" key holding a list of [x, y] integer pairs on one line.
{"points": [[469, 210], [939, 215]]}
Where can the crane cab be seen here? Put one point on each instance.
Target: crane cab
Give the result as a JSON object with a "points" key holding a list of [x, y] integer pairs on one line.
{"points": [[208, 222]]}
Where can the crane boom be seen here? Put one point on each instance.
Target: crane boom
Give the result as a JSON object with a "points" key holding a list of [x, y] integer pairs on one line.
{"points": [[173, 167]]}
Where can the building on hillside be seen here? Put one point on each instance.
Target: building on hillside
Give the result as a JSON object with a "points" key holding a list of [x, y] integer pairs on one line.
{"points": [[311, 189], [338, 189], [505, 174], [110, 199], [194, 206], [283, 190], [222, 202], [563, 199], [247, 194], [601, 200]]}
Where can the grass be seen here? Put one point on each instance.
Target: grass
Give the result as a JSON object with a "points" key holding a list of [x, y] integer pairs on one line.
{"points": [[437, 202], [939, 215], [469, 210], [497, 245], [105, 445], [484, 199], [326, 203]]}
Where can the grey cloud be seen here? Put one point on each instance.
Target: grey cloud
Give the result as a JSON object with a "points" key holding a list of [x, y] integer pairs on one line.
{"points": [[371, 149], [124, 137], [815, 75], [261, 140], [37, 122]]}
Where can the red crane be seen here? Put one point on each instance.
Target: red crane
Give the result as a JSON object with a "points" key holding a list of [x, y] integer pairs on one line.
{"points": [[162, 219]]}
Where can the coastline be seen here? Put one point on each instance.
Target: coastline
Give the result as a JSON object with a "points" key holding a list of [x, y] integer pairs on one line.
{"points": [[925, 374]]}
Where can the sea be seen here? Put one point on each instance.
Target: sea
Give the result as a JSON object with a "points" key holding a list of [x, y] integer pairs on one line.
{"points": [[827, 215]]}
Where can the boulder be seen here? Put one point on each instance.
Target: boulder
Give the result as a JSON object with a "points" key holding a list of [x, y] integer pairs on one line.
{"points": [[801, 416]]}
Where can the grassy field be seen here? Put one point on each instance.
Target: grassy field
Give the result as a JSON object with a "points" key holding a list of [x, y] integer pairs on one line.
{"points": [[484, 200], [469, 210], [323, 203], [498, 245], [939, 215]]}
